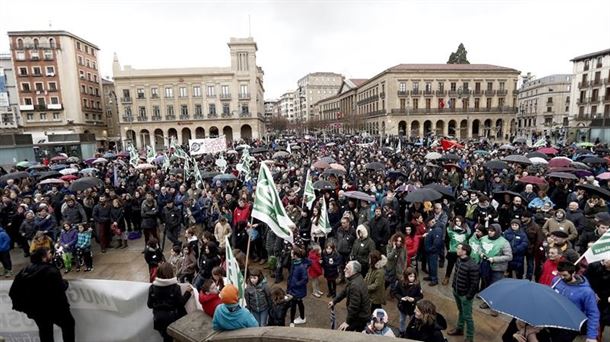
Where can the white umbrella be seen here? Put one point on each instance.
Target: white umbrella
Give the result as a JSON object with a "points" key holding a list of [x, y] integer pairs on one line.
{"points": [[68, 171], [145, 166], [100, 160], [538, 160], [433, 156]]}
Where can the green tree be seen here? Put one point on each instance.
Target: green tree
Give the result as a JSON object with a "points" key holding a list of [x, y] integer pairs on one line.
{"points": [[459, 57]]}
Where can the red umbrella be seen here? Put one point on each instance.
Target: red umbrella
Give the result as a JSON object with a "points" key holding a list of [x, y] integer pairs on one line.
{"points": [[560, 162], [532, 180], [548, 150], [68, 178]]}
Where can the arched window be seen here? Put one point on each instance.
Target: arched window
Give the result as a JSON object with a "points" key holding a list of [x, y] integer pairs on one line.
{"points": [[52, 43], [35, 43], [20, 43]]}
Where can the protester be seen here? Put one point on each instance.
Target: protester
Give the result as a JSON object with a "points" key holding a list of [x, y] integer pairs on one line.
{"points": [[297, 285], [229, 315], [379, 324], [465, 286], [397, 259], [426, 324], [457, 232], [407, 291], [358, 302], [517, 239], [166, 300], [5, 255], [331, 264], [39, 291], [258, 297], [315, 271], [549, 268], [362, 248], [208, 297]]}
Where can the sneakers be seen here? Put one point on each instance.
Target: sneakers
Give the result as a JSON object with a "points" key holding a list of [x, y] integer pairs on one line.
{"points": [[427, 278], [455, 332], [300, 320], [433, 283], [318, 294], [8, 274]]}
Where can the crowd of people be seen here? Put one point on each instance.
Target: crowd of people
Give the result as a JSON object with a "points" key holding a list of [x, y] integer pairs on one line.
{"points": [[488, 215]]}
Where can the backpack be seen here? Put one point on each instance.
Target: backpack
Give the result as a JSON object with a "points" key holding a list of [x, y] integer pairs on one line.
{"points": [[21, 293]]}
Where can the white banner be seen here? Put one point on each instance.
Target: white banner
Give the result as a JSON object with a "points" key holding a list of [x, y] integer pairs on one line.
{"points": [[207, 145], [104, 310]]}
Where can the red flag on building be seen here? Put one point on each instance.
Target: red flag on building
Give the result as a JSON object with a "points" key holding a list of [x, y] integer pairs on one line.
{"points": [[441, 103]]}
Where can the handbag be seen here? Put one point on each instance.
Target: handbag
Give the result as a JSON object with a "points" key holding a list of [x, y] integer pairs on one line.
{"points": [[114, 228]]}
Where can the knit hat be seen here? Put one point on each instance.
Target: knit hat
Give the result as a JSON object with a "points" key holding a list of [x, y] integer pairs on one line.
{"points": [[229, 294], [515, 221], [560, 234]]}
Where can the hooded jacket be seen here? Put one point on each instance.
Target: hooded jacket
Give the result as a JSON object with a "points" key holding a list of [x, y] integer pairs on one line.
{"points": [[565, 225], [497, 250], [68, 239], [375, 281], [581, 294], [232, 317], [518, 242], [358, 301], [167, 302], [5, 241], [345, 240], [209, 302], [297, 279], [362, 247]]}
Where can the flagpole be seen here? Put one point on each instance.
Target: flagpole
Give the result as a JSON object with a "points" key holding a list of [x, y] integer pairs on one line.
{"points": [[579, 259], [247, 255]]}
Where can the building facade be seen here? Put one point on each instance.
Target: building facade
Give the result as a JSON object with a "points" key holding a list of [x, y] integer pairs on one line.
{"points": [[288, 104], [459, 100], [9, 99], [311, 89], [111, 111], [186, 103], [544, 106], [58, 83], [590, 105]]}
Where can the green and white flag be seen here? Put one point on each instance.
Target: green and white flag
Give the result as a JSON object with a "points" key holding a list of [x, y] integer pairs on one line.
{"points": [[268, 206], [133, 155], [244, 166], [166, 163], [288, 149], [234, 275], [309, 196], [324, 222], [399, 147], [197, 174], [540, 143], [150, 154], [599, 250]]}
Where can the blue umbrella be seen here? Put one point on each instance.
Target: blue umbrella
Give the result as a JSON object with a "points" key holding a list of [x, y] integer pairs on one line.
{"points": [[88, 170], [57, 167], [224, 177], [535, 304], [109, 155]]}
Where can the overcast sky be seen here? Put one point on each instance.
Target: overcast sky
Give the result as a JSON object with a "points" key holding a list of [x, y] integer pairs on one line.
{"points": [[355, 38]]}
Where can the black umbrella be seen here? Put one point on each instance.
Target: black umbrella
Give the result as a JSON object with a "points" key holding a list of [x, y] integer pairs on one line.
{"points": [[48, 174], [594, 160], [359, 195], [595, 190], [517, 158], [14, 175], [333, 172], [323, 185], [259, 150], [496, 164], [499, 195], [537, 155], [328, 159], [388, 149], [562, 175], [397, 174], [447, 192], [423, 195], [376, 166], [450, 156], [520, 141], [177, 171], [85, 183], [209, 175]]}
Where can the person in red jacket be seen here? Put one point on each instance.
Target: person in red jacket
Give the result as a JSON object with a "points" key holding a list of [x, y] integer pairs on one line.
{"points": [[242, 212], [411, 244], [315, 269], [208, 297], [549, 269]]}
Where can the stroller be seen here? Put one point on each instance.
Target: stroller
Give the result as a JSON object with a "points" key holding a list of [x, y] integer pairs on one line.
{"points": [[58, 257]]}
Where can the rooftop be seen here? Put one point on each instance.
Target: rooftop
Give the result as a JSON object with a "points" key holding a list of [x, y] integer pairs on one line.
{"points": [[449, 67], [591, 55], [37, 33]]}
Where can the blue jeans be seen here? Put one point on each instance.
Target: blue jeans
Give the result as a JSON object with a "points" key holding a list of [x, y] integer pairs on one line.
{"points": [[433, 267], [495, 276], [404, 319], [261, 317]]}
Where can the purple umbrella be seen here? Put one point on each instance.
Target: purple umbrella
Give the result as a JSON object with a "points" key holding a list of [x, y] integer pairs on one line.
{"points": [[90, 161]]}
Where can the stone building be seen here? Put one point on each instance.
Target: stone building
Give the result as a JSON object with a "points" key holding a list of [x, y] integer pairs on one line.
{"points": [[590, 94], [544, 106], [186, 103], [312, 88], [457, 100], [9, 99]]}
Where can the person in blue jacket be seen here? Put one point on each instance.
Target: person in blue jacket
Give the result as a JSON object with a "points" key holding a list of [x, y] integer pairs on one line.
{"points": [[518, 241], [5, 255], [433, 244], [297, 284], [230, 315], [577, 289]]}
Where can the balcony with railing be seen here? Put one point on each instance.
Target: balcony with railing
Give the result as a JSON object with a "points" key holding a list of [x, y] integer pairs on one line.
{"points": [[596, 82], [440, 93], [126, 99], [244, 96], [415, 92], [170, 117], [212, 115], [428, 93], [606, 99], [154, 96], [501, 92], [184, 117], [453, 110], [198, 116], [225, 96], [141, 97], [452, 93], [478, 92], [127, 118], [402, 93], [245, 114], [226, 115], [142, 118], [465, 92], [515, 92], [583, 84], [156, 118]]}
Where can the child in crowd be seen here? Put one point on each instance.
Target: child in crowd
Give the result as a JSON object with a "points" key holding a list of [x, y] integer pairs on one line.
{"points": [[258, 297], [218, 276], [407, 291], [379, 324], [153, 256], [41, 240], [331, 262], [280, 302], [315, 269], [175, 258], [188, 265], [67, 240], [191, 240], [208, 297], [297, 284], [83, 249]]}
